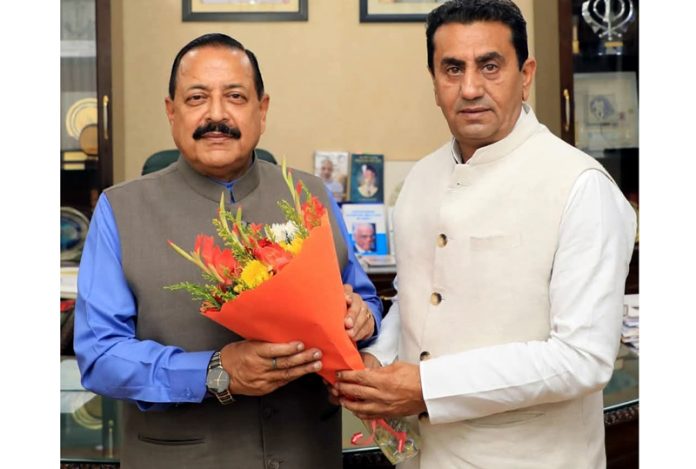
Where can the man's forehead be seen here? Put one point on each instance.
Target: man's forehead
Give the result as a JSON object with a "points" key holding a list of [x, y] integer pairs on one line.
{"points": [[477, 38], [214, 57]]}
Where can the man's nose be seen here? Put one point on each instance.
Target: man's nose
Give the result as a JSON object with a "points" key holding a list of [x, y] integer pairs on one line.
{"points": [[217, 111], [471, 85]]}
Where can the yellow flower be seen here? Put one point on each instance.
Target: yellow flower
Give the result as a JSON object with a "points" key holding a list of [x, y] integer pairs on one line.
{"points": [[254, 274], [294, 247]]}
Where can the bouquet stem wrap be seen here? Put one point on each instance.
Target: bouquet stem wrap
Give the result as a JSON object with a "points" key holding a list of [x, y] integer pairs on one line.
{"points": [[397, 438]]}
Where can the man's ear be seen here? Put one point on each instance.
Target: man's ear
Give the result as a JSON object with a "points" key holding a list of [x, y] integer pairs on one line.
{"points": [[437, 98], [528, 71], [263, 106], [169, 107]]}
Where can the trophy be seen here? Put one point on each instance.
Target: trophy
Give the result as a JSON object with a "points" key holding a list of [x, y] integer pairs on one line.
{"points": [[609, 19]]}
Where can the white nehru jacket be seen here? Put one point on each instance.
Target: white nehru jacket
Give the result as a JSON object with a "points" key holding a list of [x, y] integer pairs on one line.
{"points": [[511, 272]]}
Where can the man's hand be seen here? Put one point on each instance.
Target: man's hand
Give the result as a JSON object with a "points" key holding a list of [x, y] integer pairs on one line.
{"points": [[390, 391], [258, 368], [369, 360], [359, 321]]}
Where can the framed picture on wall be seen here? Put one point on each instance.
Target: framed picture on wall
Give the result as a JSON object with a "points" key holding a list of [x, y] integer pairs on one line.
{"points": [[606, 110], [390, 11], [244, 10]]}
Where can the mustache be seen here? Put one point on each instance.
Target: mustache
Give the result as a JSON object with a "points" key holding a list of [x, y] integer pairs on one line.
{"points": [[221, 127]]}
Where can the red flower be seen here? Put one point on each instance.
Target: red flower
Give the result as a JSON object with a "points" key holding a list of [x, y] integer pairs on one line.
{"points": [[225, 264], [204, 247], [207, 306], [312, 210], [273, 255], [255, 228]]}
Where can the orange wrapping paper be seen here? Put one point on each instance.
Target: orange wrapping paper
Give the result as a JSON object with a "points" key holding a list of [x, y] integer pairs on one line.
{"points": [[304, 301]]}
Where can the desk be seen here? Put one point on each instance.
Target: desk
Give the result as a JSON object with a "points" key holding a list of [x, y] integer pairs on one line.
{"points": [[90, 423]]}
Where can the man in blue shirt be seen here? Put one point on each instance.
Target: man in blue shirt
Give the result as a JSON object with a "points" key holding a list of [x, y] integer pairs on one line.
{"points": [[197, 394]]}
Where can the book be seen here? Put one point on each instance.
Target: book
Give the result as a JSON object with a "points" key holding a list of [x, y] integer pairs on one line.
{"points": [[366, 182], [378, 264], [390, 230], [332, 168], [367, 228]]}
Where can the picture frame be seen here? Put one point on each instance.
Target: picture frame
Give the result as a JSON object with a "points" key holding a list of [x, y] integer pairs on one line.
{"points": [[332, 168], [396, 11], [366, 178], [606, 110], [244, 10]]}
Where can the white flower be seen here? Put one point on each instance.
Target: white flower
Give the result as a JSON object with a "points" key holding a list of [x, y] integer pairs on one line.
{"points": [[284, 232]]}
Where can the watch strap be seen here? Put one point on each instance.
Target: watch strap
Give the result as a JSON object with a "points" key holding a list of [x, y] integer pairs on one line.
{"points": [[225, 397]]}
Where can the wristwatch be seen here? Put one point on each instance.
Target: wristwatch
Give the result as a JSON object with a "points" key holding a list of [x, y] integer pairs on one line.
{"points": [[218, 380]]}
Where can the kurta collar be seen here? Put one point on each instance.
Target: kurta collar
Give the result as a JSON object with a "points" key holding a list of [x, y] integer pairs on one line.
{"points": [[525, 126], [242, 187]]}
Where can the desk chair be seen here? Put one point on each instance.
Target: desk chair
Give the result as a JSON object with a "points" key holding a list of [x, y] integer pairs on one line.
{"points": [[164, 158]]}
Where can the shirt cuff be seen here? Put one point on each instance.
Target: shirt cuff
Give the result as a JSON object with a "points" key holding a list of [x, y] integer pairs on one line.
{"points": [[186, 375]]}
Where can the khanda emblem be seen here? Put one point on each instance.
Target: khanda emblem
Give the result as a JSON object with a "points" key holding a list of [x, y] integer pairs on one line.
{"points": [[609, 19]]}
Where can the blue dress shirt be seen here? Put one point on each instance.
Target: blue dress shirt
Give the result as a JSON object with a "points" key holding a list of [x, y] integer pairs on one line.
{"points": [[149, 373]]}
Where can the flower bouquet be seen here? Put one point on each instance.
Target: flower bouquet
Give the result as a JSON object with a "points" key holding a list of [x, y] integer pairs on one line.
{"points": [[278, 282]]}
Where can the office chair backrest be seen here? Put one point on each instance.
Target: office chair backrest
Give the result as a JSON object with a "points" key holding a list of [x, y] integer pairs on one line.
{"points": [[164, 158]]}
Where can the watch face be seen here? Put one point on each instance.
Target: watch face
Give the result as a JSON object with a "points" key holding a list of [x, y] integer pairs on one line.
{"points": [[217, 380]]}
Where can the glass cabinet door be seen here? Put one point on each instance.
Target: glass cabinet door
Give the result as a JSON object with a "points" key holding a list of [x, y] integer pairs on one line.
{"points": [[85, 130], [85, 143], [599, 88]]}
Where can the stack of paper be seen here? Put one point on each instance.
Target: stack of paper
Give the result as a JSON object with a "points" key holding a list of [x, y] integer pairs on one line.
{"points": [[629, 331], [68, 282]]}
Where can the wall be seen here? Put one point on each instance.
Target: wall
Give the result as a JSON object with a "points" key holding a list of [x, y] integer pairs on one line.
{"points": [[335, 83]]}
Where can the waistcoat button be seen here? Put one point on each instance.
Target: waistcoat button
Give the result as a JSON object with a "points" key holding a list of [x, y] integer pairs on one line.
{"points": [[442, 240], [435, 298], [424, 356]]}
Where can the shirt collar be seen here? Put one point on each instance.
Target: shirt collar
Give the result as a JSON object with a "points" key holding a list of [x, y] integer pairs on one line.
{"points": [[210, 188], [525, 125]]}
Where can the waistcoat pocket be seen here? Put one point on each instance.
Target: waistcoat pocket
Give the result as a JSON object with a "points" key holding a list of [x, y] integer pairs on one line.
{"points": [[170, 441]]}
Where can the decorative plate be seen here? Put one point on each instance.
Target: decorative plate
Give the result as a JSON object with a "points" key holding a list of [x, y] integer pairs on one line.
{"points": [[73, 232]]}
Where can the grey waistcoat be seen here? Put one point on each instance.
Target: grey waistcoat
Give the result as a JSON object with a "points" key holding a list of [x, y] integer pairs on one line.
{"points": [[294, 427]]}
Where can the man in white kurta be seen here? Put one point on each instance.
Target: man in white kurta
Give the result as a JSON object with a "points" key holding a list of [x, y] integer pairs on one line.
{"points": [[512, 253]]}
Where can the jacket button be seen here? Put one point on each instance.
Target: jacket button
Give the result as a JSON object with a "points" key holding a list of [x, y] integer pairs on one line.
{"points": [[424, 356], [267, 412], [423, 416], [442, 240], [272, 464], [435, 298]]}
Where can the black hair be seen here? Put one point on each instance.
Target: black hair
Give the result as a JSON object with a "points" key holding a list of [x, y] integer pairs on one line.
{"points": [[216, 39], [470, 11]]}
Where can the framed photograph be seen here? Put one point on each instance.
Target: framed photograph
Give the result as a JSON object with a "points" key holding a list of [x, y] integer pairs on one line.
{"points": [[244, 10], [367, 228], [606, 110], [396, 11], [332, 168], [366, 183]]}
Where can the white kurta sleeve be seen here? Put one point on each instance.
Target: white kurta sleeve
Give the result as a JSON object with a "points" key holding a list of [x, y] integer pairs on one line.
{"points": [[386, 347], [589, 271]]}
